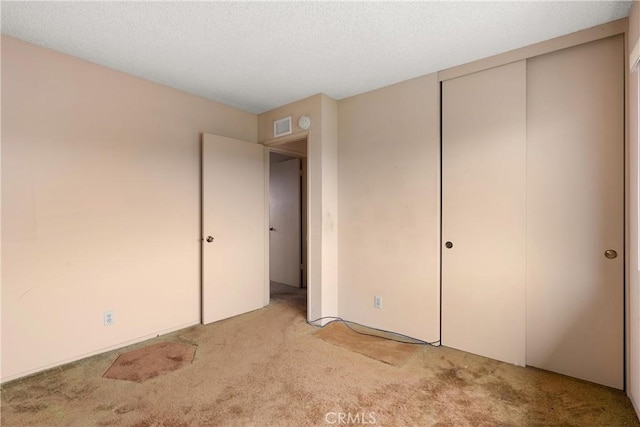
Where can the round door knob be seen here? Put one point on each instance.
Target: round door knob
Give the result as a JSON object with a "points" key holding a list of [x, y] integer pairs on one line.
{"points": [[272, 229], [610, 254], [448, 245], [209, 239]]}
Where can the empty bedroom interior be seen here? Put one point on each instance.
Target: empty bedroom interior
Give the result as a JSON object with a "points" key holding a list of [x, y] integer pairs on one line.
{"points": [[488, 208]]}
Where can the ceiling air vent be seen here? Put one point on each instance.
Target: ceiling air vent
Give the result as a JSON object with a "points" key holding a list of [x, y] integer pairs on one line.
{"points": [[282, 127]]}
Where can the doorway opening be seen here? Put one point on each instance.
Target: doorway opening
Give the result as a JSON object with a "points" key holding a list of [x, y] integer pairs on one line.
{"points": [[288, 221]]}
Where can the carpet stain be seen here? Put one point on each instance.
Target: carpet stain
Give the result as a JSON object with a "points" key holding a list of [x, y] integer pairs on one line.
{"points": [[108, 422], [33, 408], [482, 372], [77, 392], [174, 422], [161, 421], [297, 393], [449, 377], [16, 395], [482, 419], [147, 422], [39, 392], [101, 408], [124, 409], [464, 402], [365, 400], [227, 395], [505, 392]]}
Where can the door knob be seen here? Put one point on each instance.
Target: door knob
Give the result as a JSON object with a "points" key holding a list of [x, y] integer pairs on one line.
{"points": [[610, 254], [272, 229], [209, 239], [449, 245]]}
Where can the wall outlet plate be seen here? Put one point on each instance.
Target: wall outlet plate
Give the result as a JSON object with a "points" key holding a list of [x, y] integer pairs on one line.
{"points": [[377, 301], [108, 318]]}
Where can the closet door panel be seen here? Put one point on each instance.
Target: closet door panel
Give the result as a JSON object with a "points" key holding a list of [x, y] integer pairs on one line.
{"points": [[575, 211], [483, 213]]}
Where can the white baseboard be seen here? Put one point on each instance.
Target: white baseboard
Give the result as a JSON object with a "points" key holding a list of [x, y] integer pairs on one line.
{"points": [[635, 401]]}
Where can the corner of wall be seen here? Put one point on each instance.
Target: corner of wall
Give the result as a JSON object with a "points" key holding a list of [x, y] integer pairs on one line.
{"points": [[633, 128], [329, 108]]}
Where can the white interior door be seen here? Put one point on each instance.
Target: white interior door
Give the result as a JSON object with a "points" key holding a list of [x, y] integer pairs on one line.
{"points": [[575, 191], [233, 227], [285, 226], [483, 213]]}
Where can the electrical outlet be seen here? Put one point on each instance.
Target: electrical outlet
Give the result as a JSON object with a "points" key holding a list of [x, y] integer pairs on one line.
{"points": [[377, 302], [108, 318]]}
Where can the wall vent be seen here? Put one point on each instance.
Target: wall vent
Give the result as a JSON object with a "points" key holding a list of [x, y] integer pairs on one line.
{"points": [[282, 127]]}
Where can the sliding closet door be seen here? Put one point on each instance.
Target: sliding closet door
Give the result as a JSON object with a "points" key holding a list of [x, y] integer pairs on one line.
{"points": [[483, 213], [575, 184]]}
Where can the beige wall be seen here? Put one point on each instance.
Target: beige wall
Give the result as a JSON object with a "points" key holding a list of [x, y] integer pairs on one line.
{"points": [[389, 207], [322, 194], [100, 204], [633, 95]]}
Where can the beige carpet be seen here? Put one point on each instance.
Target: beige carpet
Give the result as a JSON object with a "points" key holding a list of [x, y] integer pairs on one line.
{"points": [[150, 361], [387, 351], [267, 368]]}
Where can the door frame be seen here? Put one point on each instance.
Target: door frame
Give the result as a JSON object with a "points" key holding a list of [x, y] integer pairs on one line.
{"points": [[279, 146]]}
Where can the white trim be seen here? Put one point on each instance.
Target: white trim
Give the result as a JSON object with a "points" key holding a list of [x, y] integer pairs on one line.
{"points": [[634, 402], [634, 58], [294, 137], [288, 152], [267, 221]]}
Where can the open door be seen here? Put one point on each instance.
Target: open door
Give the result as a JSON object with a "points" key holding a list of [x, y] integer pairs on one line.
{"points": [[233, 227]]}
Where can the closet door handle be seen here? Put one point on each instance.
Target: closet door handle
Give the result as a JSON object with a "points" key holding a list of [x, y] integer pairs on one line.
{"points": [[610, 254], [448, 245]]}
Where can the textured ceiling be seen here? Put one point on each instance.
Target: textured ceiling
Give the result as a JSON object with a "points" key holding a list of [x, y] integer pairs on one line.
{"points": [[260, 55]]}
